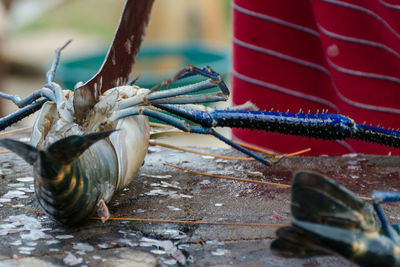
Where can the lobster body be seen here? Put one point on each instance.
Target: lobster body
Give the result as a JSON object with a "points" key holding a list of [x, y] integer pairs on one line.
{"points": [[75, 170], [71, 194], [129, 143]]}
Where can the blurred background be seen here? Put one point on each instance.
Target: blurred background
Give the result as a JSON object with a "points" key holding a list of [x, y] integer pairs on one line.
{"points": [[180, 32], [272, 55]]}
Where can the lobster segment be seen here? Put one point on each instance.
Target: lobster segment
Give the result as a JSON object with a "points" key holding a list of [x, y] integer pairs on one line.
{"points": [[191, 70], [34, 102], [193, 99], [380, 197], [63, 190], [377, 135], [184, 126], [325, 126], [22, 102], [365, 250], [330, 219], [171, 94], [21, 113], [332, 205]]}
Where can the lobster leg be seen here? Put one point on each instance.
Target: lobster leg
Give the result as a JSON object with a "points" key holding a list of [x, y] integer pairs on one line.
{"points": [[35, 101], [197, 87], [22, 102], [182, 125], [129, 107], [192, 70], [21, 113], [102, 211], [191, 99], [380, 197], [180, 95]]}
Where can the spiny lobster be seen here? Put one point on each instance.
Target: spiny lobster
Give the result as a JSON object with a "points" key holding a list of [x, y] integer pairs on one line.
{"points": [[90, 142], [330, 219]]}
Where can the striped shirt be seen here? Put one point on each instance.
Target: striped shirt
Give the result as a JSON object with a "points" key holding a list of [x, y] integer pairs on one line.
{"points": [[337, 55]]}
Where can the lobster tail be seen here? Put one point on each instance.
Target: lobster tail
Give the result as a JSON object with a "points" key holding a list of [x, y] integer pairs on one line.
{"points": [[362, 248], [63, 190], [45, 164], [68, 149], [332, 220], [27, 152], [62, 152]]}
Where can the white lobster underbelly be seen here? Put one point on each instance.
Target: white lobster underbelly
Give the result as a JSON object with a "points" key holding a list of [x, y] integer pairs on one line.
{"points": [[130, 143]]}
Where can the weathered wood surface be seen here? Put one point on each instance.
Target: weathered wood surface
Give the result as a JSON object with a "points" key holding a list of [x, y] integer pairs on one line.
{"points": [[162, 192]]}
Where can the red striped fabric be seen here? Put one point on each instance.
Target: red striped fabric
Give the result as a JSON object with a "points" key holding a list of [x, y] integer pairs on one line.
{"points": [[340, 55]]}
